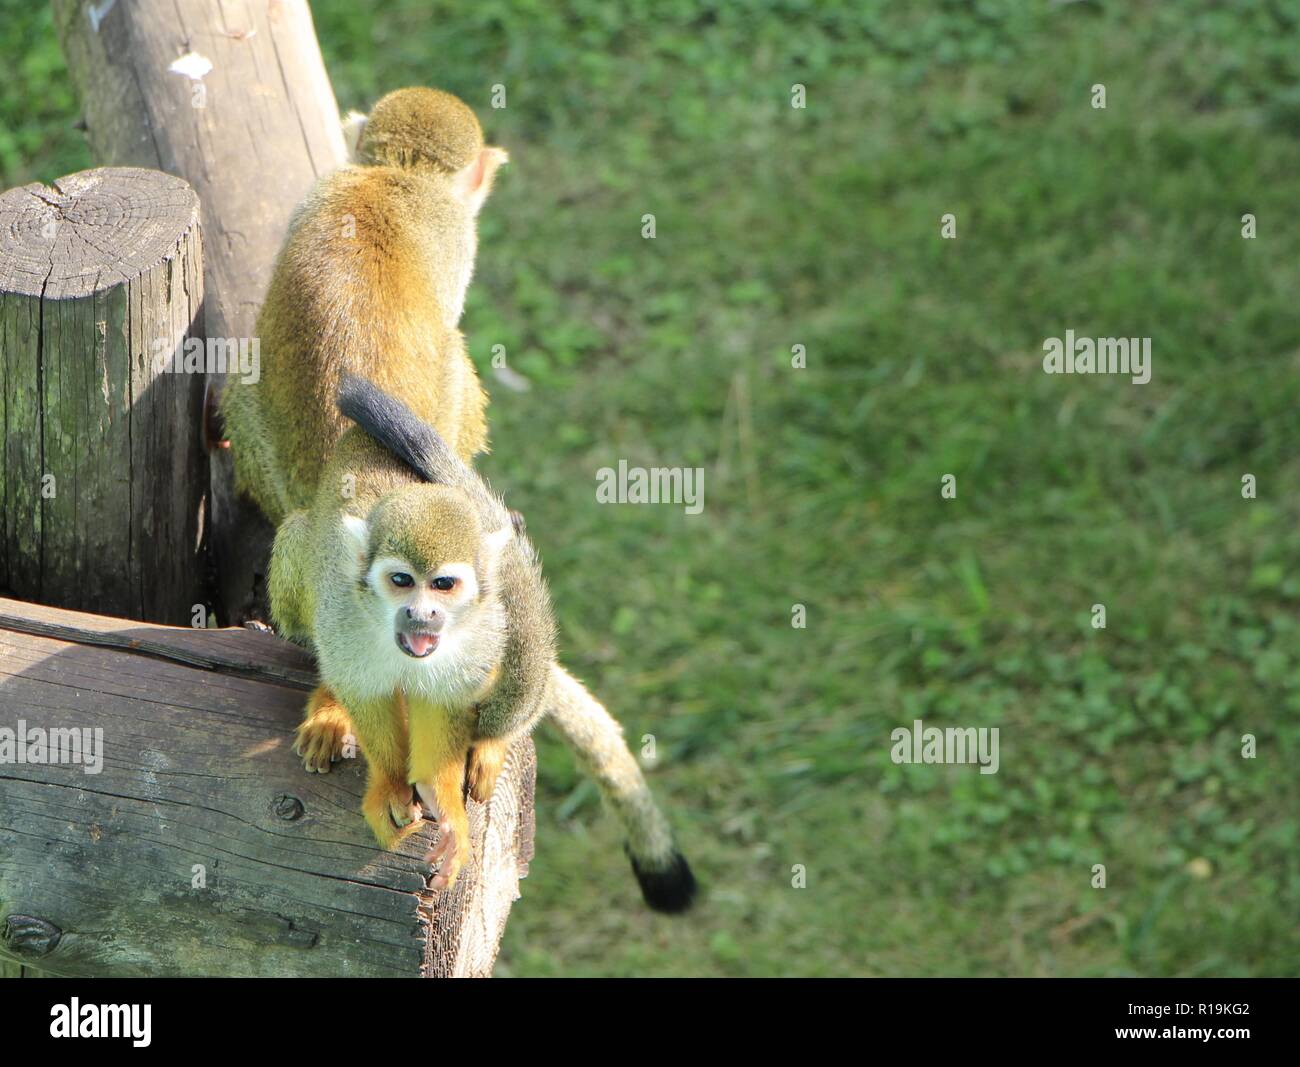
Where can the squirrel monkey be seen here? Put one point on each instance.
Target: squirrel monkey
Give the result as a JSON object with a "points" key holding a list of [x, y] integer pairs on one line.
{"points": [[392, 559], [396, 583]]}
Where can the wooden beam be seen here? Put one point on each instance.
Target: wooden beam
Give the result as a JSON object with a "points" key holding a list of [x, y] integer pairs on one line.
{"points": [[201, 846], [228, 651]]}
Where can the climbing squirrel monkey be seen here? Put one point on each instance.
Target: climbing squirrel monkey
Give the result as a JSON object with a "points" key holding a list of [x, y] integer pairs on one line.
{"points": [[372, 280], [393, 561]]}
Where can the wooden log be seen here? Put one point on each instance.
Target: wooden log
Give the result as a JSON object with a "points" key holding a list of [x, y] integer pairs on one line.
{"points": [[201, 847], [103, 472], [251, 134]]}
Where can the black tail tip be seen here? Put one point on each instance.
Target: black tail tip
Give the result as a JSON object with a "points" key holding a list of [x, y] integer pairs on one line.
{"points": [[669, 888]]}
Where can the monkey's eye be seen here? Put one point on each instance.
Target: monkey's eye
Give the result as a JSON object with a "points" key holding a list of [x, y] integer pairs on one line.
{"points": [[402, 581], [444, 583]]}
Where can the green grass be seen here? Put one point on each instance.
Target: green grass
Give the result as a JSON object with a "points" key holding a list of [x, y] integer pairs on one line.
{"points": [[820, 227]]}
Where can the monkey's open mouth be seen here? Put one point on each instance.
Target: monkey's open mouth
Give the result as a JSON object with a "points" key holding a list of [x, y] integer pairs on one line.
{"points": [[417, 645]]}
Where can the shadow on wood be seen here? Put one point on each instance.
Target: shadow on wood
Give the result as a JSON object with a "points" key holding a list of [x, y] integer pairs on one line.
{"points": [[200, 846]]}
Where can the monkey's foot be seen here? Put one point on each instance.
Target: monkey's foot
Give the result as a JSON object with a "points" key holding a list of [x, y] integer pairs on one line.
{"points": [[391, 812], [486, 759], [321, 737], [448, 855], [214, 426]]}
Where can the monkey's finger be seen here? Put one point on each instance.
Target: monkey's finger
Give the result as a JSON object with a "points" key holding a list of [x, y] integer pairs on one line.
{"points": [[443, 850], [451, 859], [402, 809], [334, 745], [314, 757], [327, 751], [304, 743]]}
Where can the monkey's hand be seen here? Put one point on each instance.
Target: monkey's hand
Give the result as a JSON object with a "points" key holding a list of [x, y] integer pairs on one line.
{"points": [[486, 759], [390, 810], [323, 733]]}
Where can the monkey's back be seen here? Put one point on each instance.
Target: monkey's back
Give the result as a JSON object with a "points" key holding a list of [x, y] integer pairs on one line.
{"points": [[355, 288]]}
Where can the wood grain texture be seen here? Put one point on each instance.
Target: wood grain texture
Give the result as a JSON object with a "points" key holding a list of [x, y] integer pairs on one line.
{"points": [[251, 136], [202, 847], [244, 653], [100, 279]]}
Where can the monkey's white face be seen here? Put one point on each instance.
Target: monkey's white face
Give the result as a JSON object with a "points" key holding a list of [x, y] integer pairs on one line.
{"points": [[398, 626], [426, 607]]}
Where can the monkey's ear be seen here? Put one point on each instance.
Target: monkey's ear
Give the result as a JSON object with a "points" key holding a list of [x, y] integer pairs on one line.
{"points": [[498, 539], [358, 532], [494, 543], [474, 183], [354, 125]]}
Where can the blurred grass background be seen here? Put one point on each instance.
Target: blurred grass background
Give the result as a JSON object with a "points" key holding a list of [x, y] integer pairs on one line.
{"points": [[820, 227]]}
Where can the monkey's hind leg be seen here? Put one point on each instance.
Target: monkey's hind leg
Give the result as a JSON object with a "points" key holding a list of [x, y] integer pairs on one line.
{"points": [[324, 732], [440, 743], [258, 471], [290, 577]]}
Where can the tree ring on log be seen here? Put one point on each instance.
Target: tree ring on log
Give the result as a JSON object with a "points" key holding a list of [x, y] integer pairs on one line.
{"points": [[288, 807], [91, 231]]}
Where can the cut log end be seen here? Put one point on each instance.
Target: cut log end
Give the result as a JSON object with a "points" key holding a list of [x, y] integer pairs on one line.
{"points": [[91, 231]]}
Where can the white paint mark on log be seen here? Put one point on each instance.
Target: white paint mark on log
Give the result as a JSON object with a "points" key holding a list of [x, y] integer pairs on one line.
{"points": [[96, 13], [153, 762], [192, 65]]}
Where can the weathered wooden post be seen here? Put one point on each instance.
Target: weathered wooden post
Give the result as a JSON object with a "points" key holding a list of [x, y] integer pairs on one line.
{"points": [[250, 121], [103, 476]]}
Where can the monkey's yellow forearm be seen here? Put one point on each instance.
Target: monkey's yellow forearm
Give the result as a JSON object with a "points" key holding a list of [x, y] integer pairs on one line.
{"points": [[439, 743]]}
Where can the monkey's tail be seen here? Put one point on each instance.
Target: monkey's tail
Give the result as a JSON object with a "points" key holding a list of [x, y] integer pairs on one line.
{"points": [[413, 441], [665, 877]]}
